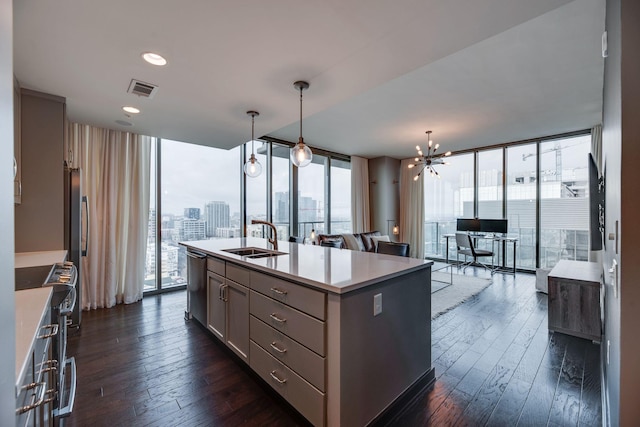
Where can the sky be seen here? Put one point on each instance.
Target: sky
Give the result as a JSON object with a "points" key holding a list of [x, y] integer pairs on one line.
{"points": [[193, 175]]}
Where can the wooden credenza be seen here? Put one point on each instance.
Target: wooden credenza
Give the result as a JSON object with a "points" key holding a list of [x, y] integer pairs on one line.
{"points": [[574, 299]]}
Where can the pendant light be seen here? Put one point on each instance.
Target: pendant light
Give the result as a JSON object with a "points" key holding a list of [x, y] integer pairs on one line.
{"points": [[301, 154], [252, 168]]}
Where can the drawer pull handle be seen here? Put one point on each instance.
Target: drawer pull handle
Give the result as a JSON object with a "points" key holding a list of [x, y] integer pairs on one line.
{"points": [[278, 349], [276, 318], [49, 369], [275, 377], [53, 393], [40, 393], [54, 331], [278, 291]]}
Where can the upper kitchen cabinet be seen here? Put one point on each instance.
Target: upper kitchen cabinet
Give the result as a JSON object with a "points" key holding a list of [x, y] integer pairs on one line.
{"points": [[39, 218]]}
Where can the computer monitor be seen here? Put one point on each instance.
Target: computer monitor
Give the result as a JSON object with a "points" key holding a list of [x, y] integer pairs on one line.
{"points": [[493, 226], [470, 224]]}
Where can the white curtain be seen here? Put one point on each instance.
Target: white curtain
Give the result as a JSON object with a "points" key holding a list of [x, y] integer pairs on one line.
{"points": [[360, 210], [115, 173], [412, 209]]}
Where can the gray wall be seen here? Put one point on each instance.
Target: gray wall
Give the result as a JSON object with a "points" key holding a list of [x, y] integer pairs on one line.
{"points": [[7, 309], [621, 156], [384, 193]]}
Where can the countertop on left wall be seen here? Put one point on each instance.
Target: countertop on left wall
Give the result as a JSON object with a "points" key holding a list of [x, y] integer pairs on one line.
{"points": [[31, 307], [32, 268], [35, 259]]}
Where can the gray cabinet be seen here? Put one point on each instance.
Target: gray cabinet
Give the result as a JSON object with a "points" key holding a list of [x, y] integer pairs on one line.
{"points": [[216, 307], [288, 342], [237, 317], [228, 306], [35, 392], [39, 218], [574, 299]]}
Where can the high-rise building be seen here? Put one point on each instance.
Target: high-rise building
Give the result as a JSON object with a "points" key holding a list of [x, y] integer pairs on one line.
{"points": [[151, 236], [192, 213], [281, 207], [191, 229], [216, 215], [307, 209]]}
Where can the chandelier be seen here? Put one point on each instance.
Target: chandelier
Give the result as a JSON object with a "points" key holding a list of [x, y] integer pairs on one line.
{"points": [[427, 161]]}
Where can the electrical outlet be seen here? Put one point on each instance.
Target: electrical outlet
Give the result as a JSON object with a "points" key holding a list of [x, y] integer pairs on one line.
{"points": [[608, 346], [377, 304]]}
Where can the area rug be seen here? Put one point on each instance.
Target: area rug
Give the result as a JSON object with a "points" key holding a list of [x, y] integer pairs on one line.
{"points": [[445, 296]]}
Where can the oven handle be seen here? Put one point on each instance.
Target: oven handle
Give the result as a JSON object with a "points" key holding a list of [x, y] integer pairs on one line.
{"points": [[69, 310], [66, 411]]}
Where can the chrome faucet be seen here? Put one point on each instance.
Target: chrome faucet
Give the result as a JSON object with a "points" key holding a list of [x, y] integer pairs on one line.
{"points": [[273, 241]]}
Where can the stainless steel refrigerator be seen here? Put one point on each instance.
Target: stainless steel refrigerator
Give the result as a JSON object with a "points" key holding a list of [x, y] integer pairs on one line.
{"points": [[76, 231]]}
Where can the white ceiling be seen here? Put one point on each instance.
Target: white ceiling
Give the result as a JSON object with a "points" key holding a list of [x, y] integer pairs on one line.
{"points": [[381, 72]]}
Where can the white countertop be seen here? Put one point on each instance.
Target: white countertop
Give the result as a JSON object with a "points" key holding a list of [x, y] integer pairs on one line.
{"points": [[35, 259], [331, 269], [31, 306]]}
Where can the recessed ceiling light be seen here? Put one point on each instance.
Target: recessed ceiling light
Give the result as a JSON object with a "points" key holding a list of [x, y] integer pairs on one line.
{"points": [[132, 110], [154, 58]]}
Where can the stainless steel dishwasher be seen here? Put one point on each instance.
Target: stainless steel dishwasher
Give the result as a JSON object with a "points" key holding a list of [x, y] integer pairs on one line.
{"points": [[197, 286]]}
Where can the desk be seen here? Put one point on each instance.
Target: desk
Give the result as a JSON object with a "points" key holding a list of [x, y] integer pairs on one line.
{"points": [[494, 238]]}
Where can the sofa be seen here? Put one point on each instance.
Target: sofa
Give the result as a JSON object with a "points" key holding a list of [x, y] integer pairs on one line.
{"points": [[357, 242]]}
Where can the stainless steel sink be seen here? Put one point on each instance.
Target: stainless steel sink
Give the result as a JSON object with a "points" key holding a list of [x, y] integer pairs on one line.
{"points": [[254, 252]]}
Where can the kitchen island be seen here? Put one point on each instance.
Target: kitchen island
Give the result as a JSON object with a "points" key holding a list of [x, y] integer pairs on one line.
{"points": [[344, 336]]}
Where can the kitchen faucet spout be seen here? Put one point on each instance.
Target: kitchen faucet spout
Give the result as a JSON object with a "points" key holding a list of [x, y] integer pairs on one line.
{"points": [[273, 241]]}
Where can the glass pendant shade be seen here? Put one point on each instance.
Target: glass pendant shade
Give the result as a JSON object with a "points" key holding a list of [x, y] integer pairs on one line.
{"points": [[252, 168], [301, 154]]}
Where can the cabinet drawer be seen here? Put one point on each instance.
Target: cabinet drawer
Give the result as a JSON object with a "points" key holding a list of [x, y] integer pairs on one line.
{"points": [[303, 361], [215, 265], [298, 392], [303, 328], [238, 274], [304, 299]]}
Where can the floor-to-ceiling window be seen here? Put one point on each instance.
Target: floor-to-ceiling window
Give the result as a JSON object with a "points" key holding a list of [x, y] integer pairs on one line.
{"points": [[256, 191], [200, 199], [340, 196], [445, 199], [199, 196], [521, 202], [311, 196], [150, 266], [280, 181], [490, 184], [564, 200], [546, 203]]}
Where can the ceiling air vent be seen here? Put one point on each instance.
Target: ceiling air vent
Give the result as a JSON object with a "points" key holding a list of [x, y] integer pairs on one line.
{"points": [[139, 88]]}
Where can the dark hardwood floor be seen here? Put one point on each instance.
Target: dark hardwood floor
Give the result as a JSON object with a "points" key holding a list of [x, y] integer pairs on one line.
{"points": [[496, 364]]}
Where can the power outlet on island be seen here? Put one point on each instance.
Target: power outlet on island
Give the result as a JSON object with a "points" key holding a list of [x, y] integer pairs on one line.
{"points": [[377, 304]]}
